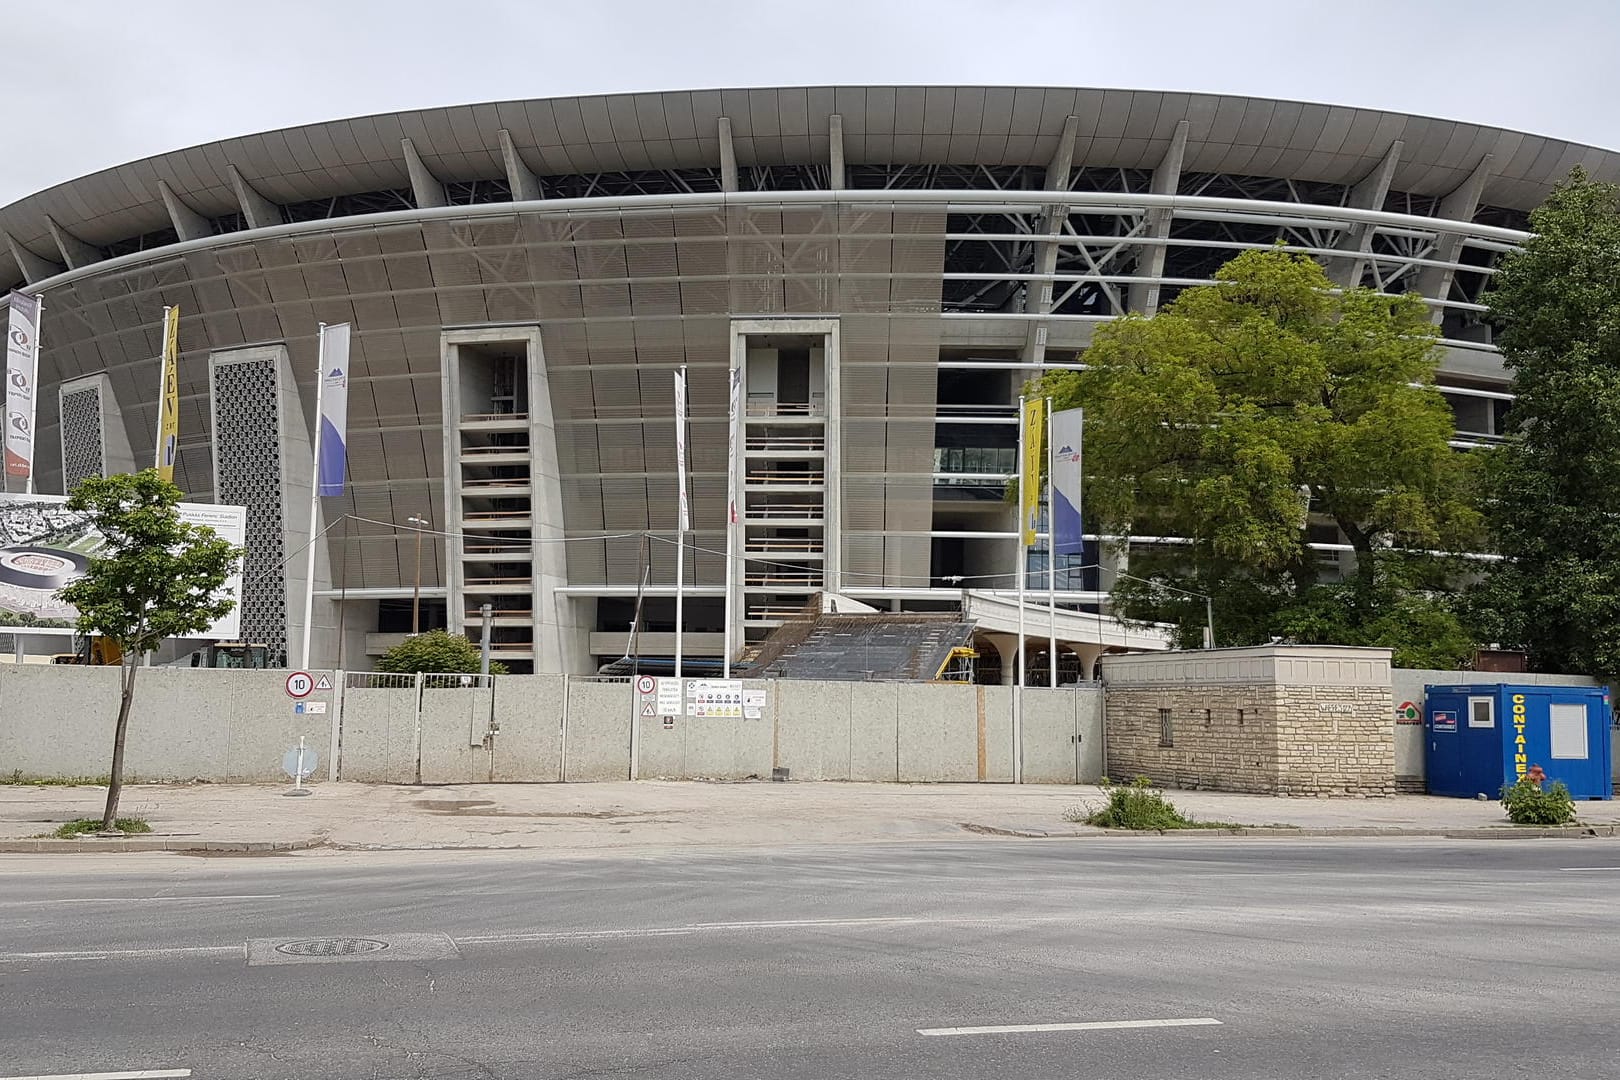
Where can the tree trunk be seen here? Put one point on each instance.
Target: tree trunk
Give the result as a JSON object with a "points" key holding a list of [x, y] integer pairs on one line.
{"points": [[115, 779]]}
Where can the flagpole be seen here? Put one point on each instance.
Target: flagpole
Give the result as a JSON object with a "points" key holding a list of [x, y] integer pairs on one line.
{"points": [[732, 420], [1051, 557], [314, 495], [1018, 650], [680, 523]]}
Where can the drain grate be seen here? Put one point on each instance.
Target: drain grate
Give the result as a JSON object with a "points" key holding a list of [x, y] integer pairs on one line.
{"points": [[340, 949], [332, 946]]}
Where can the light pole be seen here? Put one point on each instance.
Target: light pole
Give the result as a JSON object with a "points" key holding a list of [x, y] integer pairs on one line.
{"points": [[416, 593]]}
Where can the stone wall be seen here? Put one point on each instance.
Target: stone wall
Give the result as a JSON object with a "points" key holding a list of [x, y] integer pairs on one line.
{"points": [[1296, 720]]}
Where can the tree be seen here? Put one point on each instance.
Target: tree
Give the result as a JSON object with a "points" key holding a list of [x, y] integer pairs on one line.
{"points": [[156, 577], [436, 651], [1250, 409], [1550, 491]]}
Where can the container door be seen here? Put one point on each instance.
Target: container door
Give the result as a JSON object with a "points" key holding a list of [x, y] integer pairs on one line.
{"points": [[1445, 757]]}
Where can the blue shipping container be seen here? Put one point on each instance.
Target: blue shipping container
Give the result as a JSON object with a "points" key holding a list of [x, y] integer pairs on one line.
{"points": [[1482, 737]]}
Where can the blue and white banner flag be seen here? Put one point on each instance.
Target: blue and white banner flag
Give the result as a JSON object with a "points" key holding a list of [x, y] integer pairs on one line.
{"points": [[1068, 427], [334, 421]]}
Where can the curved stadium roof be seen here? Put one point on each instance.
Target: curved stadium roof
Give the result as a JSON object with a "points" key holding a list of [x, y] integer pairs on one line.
{"points": [[214, 187]]}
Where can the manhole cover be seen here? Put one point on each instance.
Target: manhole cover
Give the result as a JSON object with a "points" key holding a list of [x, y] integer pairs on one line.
{"points": [[335, 946]]}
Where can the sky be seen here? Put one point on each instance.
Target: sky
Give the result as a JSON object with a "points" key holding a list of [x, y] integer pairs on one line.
{"points": [[94, 83]]}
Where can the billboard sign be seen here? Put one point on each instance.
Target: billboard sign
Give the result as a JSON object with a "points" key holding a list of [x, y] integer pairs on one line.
{"points": [[44, 546]]}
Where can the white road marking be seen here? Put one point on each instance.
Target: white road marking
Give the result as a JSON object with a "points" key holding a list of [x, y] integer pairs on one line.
{"points": [[699, 928], [1096, 1025], [1585, 869], [139, 1074], [121, 954], [160, 900]]}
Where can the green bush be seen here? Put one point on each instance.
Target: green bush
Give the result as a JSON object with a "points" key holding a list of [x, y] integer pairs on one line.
{"points": [[1137, 805], [435, 652], [1527, 803]]}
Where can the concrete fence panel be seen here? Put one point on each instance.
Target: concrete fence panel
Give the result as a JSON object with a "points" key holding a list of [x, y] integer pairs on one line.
{"points": [[1091, 766], [995, 704], [938, 734], [812, 726], [874, 751], [380, 741], [56, 727], [452, 718], [1051, 753], [529, 714], [727, 748], [597, 740]]}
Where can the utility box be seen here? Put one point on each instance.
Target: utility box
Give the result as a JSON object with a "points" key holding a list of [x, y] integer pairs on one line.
{"points": [[1482, 737]]}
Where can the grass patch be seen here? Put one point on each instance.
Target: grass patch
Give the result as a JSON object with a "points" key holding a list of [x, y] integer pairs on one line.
{"points": [[91, 826], [1138, 806], [16, 778]]}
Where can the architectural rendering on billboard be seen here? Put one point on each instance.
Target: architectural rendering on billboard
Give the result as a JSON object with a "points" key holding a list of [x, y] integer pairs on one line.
{"points": [[45, 546]]}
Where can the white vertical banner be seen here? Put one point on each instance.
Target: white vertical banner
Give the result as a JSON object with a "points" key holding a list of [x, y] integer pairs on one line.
{"points": [[680, 447], [22, 371], [332, 432], [1068, 431]]}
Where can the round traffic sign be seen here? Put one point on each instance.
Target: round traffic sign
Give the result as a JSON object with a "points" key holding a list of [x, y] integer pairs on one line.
{"points": [[645, 684], [299, 684]]}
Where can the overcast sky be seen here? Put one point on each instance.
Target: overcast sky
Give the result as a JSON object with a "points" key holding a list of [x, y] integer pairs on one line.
{"points": [[93, 83]]}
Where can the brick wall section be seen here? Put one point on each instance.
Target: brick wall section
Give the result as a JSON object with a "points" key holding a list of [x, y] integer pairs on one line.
{"points": [[1288, 720]]}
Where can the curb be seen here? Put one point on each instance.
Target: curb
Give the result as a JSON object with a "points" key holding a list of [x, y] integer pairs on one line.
{"points": [[151, 843], [1484, 832]]}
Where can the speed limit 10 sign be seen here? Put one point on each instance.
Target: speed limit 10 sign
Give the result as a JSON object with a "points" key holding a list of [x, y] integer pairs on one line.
{"points": [[300, 684]]}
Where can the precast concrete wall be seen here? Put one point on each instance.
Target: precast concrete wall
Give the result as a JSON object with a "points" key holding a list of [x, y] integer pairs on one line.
{"points": [[185, 724], [235, 725]]}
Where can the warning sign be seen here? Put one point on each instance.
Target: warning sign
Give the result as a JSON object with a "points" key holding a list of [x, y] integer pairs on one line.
{"points": [[323, 682], [647, 709], [714, 697]]}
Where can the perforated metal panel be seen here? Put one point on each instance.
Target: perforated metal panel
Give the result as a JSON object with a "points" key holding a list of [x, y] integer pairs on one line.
{"points": [[82, 451], [248, 444]]}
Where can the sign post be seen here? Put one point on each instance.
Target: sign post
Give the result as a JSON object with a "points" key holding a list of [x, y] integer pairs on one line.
{"points": [[298, 763]]}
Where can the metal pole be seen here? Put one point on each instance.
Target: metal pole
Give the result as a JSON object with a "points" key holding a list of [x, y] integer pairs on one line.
{"points": [[680, 523], [1051, 561], [1209, 622], [1018, 650], [487, 611], [314, 495], [416, 593], [733, 513]]}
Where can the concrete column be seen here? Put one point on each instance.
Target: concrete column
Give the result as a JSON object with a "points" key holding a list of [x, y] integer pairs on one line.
{"points": [[425, 187], [728, 156], [525, 186], [1143, 298], [75, 252], [258, 211], [188, 224], [34, 267], [835, 151], [1038, 297], [1368, 193], [1460, 205]]}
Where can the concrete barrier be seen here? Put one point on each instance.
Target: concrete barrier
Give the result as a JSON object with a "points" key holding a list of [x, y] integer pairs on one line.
{"points": [[380, 740], [597, 741], [529, 716]]}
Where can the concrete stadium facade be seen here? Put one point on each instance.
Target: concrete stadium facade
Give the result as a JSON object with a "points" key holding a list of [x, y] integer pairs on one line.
{"points": [[885, 265]]}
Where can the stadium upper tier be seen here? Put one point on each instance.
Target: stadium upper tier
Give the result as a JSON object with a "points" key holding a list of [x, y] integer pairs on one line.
{"points": [[1141, 146]]}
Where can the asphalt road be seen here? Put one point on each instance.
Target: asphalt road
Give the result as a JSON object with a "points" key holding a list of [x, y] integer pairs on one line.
{"points": [[1289, 958]]}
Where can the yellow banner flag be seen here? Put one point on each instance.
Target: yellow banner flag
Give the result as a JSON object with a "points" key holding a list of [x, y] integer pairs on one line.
{"points": [[169, 401], [1029, 484]]}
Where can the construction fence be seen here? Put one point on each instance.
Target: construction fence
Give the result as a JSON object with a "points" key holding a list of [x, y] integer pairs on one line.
{"points": [[236, 726]]}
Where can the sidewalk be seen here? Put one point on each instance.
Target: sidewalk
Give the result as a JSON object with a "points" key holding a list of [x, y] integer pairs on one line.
{"points": [[656, 814]]}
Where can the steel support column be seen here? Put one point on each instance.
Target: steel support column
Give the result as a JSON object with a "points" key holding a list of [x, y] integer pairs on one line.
{"points": [[1143, 297]]}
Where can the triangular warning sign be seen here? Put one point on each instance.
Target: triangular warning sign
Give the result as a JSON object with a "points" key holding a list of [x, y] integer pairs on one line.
{"points": [[647, 710], [323, 682]]}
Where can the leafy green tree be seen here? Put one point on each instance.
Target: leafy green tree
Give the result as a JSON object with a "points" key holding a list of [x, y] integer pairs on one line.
{"points": [[436, 651], [156, 577], [1551, 489], [1248, 410]]}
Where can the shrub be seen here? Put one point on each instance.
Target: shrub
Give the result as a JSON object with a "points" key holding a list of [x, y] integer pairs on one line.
{"points": [[1527, 803], [1137, 805], [435, 652]]}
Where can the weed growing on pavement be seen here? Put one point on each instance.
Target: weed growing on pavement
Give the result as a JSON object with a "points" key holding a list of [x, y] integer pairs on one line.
{"points": [[91, 826], [17, 778], [1527, 803], [1138, 806]]}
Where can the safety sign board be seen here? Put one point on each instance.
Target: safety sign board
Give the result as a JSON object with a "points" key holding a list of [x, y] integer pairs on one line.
{"points": [[300, 684], [323, 682], [714, 697], [644, 684]]}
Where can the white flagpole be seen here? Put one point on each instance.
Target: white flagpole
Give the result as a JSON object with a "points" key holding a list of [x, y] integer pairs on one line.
{"points": [[163, 384], [1018, 650], [680, 523], [733, 437], [314, 495], [1051, 558]]}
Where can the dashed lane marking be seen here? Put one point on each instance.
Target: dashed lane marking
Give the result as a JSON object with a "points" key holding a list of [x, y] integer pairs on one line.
{"points": [[1094, 1025]]}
